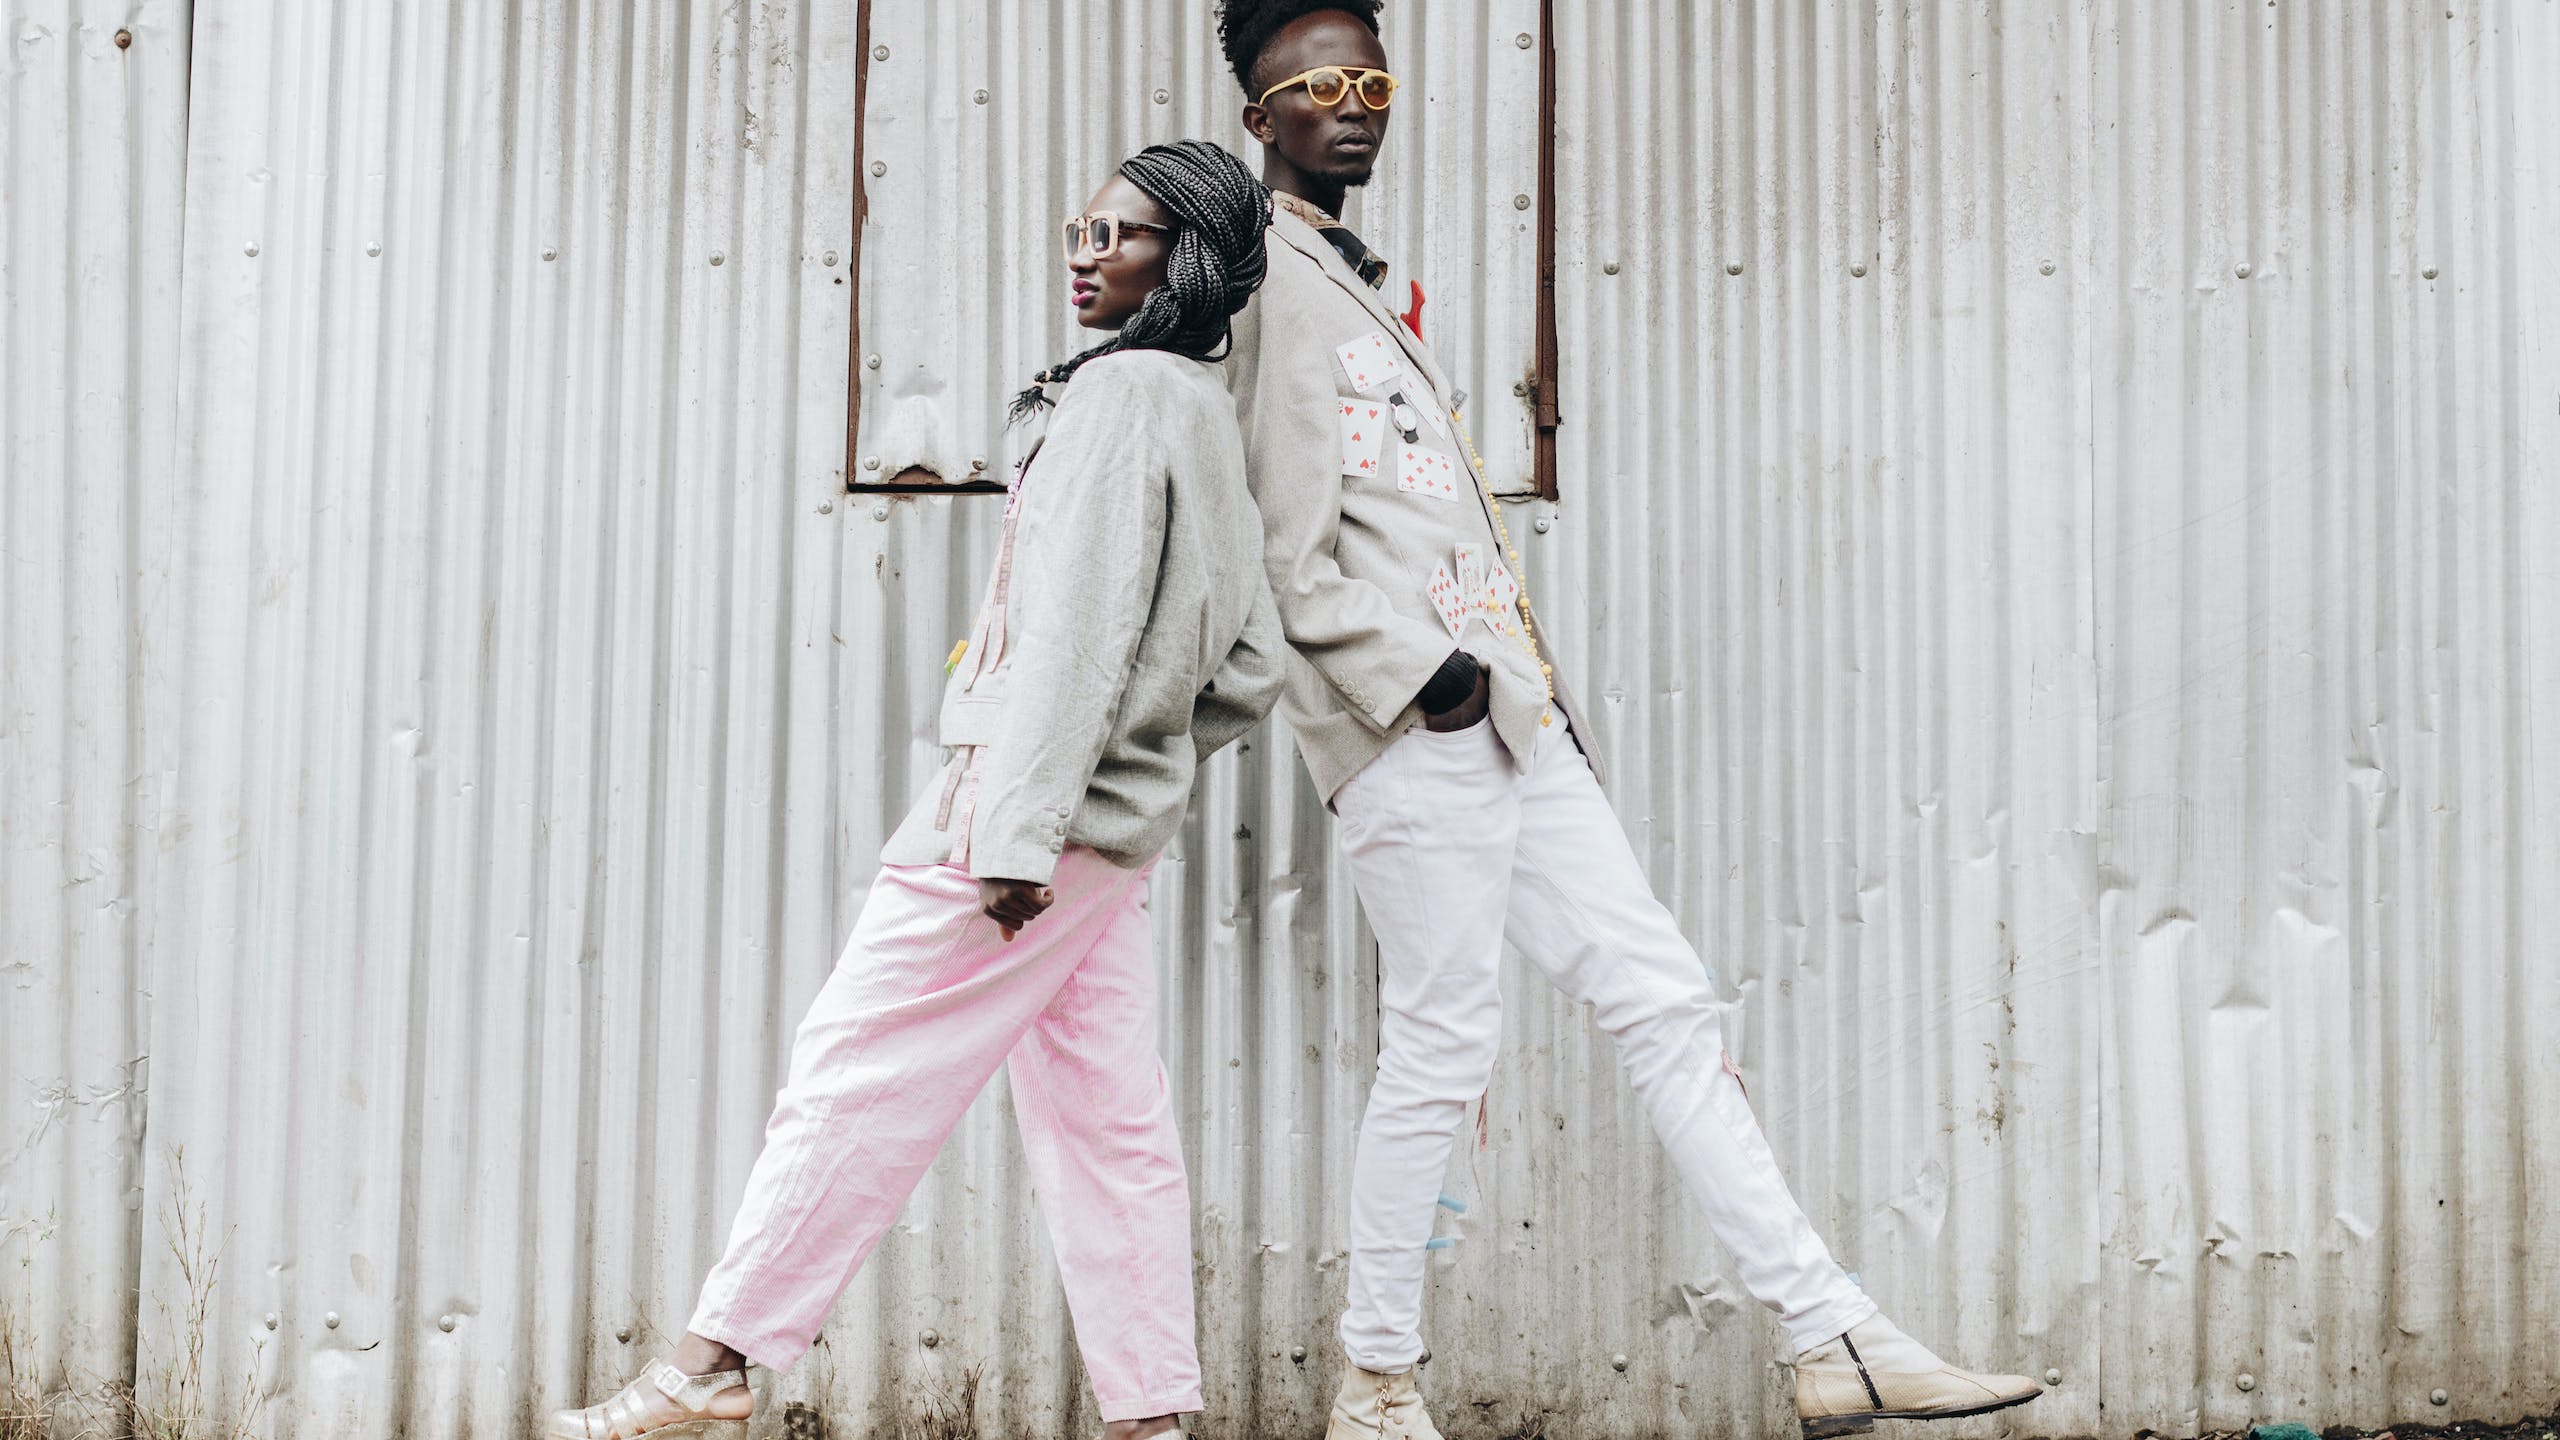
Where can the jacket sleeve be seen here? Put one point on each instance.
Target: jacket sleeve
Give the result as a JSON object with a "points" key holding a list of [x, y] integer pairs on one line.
{"points": [[1247, 684], [1376, 657], [1087, 546]]}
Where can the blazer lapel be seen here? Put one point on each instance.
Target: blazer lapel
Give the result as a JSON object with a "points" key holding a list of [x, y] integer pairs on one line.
{"points": [[1303, 238]]}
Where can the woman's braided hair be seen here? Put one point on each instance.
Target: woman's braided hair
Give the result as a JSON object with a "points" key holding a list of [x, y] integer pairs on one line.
{"points": [[1219, 212]]}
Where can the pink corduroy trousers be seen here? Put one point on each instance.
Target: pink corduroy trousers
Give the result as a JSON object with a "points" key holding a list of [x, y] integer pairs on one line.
{"points": [[927, 1000]]}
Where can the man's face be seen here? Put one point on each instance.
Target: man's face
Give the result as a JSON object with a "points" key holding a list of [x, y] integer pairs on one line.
{"points": [[1338, 142]]}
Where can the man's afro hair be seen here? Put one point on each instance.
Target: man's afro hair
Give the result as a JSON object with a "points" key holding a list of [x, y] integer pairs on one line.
{"points": [[1245, 27]]}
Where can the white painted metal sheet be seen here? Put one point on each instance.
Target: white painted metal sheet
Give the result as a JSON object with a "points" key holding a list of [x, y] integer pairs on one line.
{"points": [[2093, 712], [987, 123], [2323, 513], [92, 147]]}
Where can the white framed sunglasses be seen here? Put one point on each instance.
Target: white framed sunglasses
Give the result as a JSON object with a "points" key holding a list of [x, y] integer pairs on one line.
{"points": [[1102, 231]]}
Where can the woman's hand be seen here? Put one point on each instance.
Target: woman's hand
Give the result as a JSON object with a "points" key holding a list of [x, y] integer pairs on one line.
{"points": [[1467, 711], [1013, 904]]}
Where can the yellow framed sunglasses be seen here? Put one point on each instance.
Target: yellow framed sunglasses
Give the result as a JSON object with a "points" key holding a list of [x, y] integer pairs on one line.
{"points": [[1326, 85]]}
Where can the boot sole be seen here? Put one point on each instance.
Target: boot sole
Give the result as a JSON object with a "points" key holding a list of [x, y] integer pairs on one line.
{"points": [[1836, 1425], [702, 1429]]}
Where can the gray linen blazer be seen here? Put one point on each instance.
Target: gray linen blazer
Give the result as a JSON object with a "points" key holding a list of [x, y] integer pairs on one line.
{"points": [[1142, 634], [1352, 556]]}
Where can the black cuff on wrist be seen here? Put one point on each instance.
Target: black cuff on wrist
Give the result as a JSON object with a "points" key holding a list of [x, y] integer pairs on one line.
{"points": [[1450, 685]]}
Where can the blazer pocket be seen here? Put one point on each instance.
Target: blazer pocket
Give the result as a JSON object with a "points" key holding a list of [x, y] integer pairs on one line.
{"points": [[971, 718]]}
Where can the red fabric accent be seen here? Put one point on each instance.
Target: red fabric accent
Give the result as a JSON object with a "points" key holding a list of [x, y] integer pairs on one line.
{"points": [[1413, 317]]}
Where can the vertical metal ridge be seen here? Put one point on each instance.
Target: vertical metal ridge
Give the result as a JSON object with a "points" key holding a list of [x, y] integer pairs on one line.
{"points": [[2083, 701]]}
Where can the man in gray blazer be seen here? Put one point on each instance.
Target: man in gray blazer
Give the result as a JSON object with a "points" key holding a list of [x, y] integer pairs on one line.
{"points": [[1424, 698]]}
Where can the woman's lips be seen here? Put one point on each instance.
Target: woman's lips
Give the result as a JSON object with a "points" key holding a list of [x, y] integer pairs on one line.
{"points": [[1083, 293]]}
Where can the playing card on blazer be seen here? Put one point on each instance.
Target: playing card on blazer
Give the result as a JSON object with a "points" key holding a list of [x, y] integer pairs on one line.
{"points": [[1352, 547]]}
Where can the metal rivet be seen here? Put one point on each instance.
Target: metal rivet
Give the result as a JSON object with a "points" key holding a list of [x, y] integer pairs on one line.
{"points": [[1733, 267], [870, 462], [826, 507], [871, 362], [549, 253], [2439, 1398], [879, 168], [718, 258], [1618, 1362], [1425, 1360], [2246, 1382], [1519, 202], [622, 1333], [1524, 42], [250, 249], [2046, 268], [980, 97], [880, 512], [1859, 269], [828, 259], [1298, 1354], [1609, 269], [124, 39], [445, 1323], [1542, 524], [931, 1338], [1163, 95], [2429, 272], [977, 463], [2053, 1377], [330, 1319], [1521, 389], [879, 52], [2241, 269], [373, 248], [274, 1320]]}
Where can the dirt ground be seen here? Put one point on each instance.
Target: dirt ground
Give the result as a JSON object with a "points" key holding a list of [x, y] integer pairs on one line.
{"points": [[2544, 1428]]}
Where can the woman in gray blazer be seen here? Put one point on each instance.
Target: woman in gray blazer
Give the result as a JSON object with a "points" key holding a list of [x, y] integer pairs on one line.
{"points": [[1127, 634]]}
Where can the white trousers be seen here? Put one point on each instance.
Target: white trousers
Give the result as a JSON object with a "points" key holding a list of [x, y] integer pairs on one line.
{"points": [[1452, 851]]}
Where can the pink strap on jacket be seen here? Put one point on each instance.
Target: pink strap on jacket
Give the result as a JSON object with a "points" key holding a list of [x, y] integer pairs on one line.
{"points": [[960, 792]]}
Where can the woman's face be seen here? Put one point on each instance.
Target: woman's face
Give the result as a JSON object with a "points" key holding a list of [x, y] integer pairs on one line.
{"points": [[1107, 291]]}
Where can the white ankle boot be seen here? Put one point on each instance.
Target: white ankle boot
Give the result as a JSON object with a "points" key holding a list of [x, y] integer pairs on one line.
{"points": [[1371, 1406], [1875, 1372]]}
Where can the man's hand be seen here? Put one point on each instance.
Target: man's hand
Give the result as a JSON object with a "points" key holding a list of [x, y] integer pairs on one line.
{"points": [[1013, 904], [1469, 710]]}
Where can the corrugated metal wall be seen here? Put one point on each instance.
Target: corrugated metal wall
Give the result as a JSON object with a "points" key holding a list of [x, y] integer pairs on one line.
{"points": [[2060, 495], [2084, 700], [531, 707], [2323, 518], [93, 104]]}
